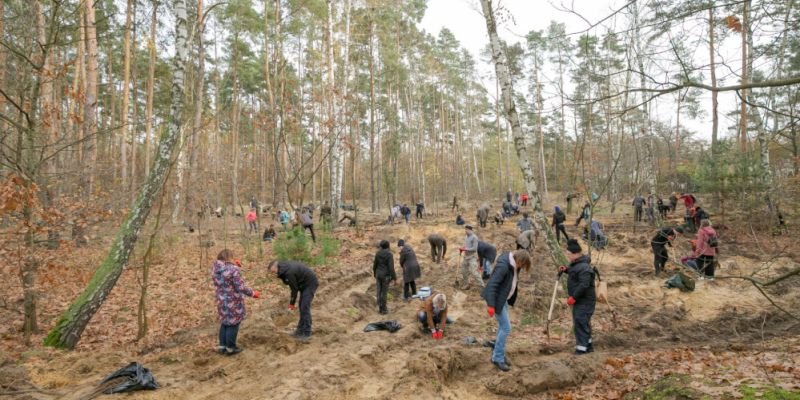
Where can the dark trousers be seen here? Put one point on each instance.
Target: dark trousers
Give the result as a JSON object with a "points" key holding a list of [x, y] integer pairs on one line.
{"points": [[422, 316], [559, 230], [311, 229], [227, 335], [419, 213], [483, 222], [660, 257], [706, 265], [383, 291], [253, 227], [637, 214], [581, 321], [437, 253], [409, 289], [306, 297], [578, 221]]}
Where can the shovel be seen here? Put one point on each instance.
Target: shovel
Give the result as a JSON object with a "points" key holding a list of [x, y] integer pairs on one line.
{"points": [[552, 303]]}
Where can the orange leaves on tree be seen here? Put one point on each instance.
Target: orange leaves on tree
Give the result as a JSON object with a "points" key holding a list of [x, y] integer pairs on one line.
{"points": [[15, 193], [733, 23]]}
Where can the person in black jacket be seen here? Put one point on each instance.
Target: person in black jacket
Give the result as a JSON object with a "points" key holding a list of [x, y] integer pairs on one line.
{"points": [[383, 271], [303, 280], [558, 223], [663, 238], [500, 292], [580, 287], [411, 270], [420, 210], [486, 255]]}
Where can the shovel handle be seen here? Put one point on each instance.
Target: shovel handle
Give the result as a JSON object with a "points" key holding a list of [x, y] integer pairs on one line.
{"points": [[552, 302]]}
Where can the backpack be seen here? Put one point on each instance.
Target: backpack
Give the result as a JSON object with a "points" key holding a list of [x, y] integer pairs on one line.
{"points": [[712, 241]]}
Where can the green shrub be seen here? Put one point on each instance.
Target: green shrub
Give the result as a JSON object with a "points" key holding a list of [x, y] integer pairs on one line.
{"points": [[295, 245]]}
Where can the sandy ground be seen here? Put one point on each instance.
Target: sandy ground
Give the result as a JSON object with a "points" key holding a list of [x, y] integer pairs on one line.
{"points": [[644, 325]]}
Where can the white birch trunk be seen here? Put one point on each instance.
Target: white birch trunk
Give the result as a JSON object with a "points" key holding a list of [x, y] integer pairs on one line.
{"points": [[504, 80]]}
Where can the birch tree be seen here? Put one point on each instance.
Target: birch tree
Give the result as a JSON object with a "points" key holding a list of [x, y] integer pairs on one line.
{"points": [[510, 112], [73, 321]]}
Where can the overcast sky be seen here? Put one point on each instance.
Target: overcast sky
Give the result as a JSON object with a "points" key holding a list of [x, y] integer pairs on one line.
{"points": [[463, 18]]}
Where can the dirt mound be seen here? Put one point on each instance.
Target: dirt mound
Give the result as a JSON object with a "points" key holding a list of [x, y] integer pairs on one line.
{"points": [[544, 376]]}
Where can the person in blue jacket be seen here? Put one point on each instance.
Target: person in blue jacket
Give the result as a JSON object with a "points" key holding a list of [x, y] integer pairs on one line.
{"points": [[500, 293]]}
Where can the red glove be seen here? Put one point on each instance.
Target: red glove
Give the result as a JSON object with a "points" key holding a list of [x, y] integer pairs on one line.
{"points": [[490, 310], [434, 333], [237, 262], [292, 307], [461, 249], [571, 300], [562, 268], [438, 335], [256, 294]]}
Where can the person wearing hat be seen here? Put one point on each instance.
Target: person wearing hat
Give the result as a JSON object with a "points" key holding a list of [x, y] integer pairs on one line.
{"points": [[582, 298], [469, 266], [500, 294], [383, 271], [558, 223], [663, 238], [410, 266]]}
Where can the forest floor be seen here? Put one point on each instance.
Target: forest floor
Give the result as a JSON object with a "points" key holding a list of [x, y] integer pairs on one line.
{"points": [[724, 340]]}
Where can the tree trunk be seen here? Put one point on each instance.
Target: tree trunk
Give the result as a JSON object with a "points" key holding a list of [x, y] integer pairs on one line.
{"points": [[89, 146], [126, 73], [335, 162], [503, 78], [199, 99], [743, 111], [71, 324], [151, 74], [715, 201], [372, 196]]}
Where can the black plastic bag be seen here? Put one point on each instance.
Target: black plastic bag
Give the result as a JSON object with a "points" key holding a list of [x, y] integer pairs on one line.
{"points": [[391, 326], [139, 378]]}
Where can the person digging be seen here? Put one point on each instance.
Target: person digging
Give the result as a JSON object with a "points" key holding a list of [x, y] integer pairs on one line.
{"points": [[663, 238], [300, 279], [432, 315]]}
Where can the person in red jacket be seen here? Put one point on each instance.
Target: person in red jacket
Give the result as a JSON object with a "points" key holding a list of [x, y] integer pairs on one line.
{"points": [[706, 249], [524, 200], [251, 218]]}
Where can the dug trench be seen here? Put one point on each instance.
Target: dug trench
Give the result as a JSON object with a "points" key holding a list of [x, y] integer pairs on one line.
{"points": [[343, 362]]}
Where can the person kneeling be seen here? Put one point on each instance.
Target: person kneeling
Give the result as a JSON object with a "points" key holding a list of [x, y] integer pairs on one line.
{"points": [[432, 315]]}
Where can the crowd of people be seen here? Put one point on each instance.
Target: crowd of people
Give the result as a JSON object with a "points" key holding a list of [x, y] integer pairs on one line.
{"points": [[496, 275]]}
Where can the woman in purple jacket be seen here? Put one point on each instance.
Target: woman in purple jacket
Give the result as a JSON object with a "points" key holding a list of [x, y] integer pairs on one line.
{"points": [[230, 292]]}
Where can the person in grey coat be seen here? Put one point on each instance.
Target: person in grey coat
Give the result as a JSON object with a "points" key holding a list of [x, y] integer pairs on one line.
{"points": [[438, 247], [527, 240], [525, 224], [411, 270], [483, 214]]}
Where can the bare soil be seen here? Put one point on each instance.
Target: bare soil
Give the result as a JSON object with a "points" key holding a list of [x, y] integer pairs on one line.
{"points": [[725, 333]]}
